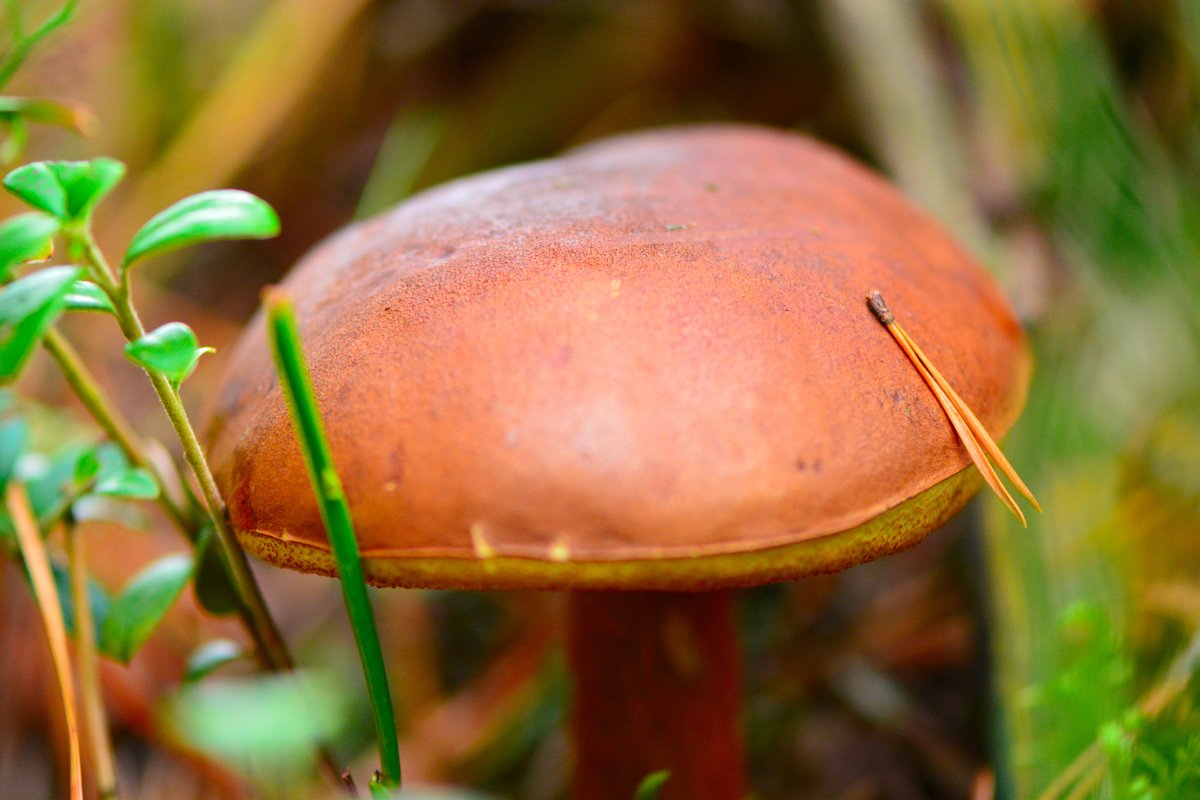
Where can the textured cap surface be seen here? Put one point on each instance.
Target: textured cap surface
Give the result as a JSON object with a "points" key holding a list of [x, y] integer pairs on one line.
{"points": [[597, 369]]}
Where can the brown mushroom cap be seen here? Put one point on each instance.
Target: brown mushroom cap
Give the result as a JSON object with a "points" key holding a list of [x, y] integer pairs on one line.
{"points": [[645, 364]]}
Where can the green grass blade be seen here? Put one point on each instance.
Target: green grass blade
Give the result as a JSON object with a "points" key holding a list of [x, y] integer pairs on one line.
{"points": [[335, 513]]}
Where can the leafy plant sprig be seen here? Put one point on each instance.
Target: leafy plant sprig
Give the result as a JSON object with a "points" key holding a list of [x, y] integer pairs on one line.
{"points": [[15, 112], [45, 491], [84, 480], [65, 194]]}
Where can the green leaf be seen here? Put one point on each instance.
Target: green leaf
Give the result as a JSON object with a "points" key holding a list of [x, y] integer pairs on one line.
{"points": [[132, 482], [98, 598], [49, 479], [205, 217], [49, 112], [37, 186], [210, 657], [16, 135], [272, 720], [87, 466], [651, 785], [109, 509], [14, 435], [87, 296], [213, 587], [136, 612], [29, 306], [27, 237], [171, 349], [68, 190]]}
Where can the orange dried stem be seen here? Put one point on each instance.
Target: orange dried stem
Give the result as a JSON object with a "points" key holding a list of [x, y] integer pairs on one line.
{"points": [[960, 426], [975, 438], [37, 563], [985, 440]]}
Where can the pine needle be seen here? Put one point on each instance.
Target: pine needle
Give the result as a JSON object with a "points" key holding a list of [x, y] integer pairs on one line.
{"points": [[37, 563], [975, 438], [986, 441]]}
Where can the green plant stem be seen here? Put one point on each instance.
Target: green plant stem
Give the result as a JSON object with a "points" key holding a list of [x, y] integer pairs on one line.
{"points": [[271, 650], [95, 721], [335, 513], [113, 423], [13, 13], [24, 45]]}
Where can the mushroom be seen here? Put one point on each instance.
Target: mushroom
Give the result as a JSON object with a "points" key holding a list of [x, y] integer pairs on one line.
{"points": [[643, 373]]}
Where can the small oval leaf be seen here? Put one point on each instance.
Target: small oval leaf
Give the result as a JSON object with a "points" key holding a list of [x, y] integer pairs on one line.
{"points": [[210, 657], [651, 785], [68, 190], [213, 587], [27, 237], [110, 509], [14, 436], [171, 349], [98, 598], [134, 483], [87, 296], [205, 217], [29, 306], [87, 465], [50, 112], [270, 721], [37, 186], [136, 612]]}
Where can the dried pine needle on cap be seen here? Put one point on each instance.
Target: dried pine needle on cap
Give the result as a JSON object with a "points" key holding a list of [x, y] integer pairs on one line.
{"points": [[975, 438]]}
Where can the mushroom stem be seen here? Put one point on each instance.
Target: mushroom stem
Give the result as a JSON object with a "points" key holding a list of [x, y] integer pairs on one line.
{"points": [[657, 686]]}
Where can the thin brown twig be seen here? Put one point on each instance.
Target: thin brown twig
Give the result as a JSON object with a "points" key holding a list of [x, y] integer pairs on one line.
{"points": [[91, 700], [37, 564]]}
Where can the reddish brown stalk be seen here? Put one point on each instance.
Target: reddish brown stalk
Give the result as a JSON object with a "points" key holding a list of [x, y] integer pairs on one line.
{"points": [[657, 686]]}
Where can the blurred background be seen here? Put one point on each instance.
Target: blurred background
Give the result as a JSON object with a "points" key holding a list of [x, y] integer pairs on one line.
{"points": [[1059, 139]]}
